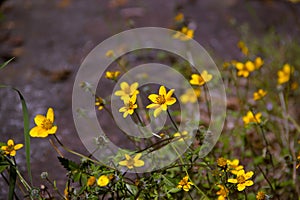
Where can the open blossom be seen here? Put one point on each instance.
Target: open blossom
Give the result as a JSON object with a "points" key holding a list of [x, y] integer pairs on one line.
{"points": [[258, 62], [261, 195], [201, 79], [259, 94], [242, 180], [245, 69], [233, 166], [129, 106], [161, 101], [113, 75], [130, 163], [252, 118], [185, 184], [91, 181], [244, 49], [11, 148], [99, 103], [127, 91], [184, 34], [44, 125], [103, 181], [191, 95], [222, 193], [182, 135], [284, 74]]}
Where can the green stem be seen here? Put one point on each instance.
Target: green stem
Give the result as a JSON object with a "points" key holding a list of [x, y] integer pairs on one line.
{"points": [[173, 122]]}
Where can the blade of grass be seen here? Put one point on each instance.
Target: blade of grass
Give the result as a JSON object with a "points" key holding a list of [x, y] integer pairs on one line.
{"points": [[6, 63], [12, 182], [26, 129]]}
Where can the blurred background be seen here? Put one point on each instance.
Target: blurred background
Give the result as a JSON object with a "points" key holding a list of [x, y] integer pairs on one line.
{"points": [[50, 39]]}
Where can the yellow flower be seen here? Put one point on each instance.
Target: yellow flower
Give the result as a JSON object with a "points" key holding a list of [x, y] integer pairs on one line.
{"points": [[244, 49], [234, 166], [259, 94], [44, 125], [258, 62], [110, 54], [127, 91], [261, 195], [99, 102], [129, 106], [200, 79], [244, 69], [184, 34], [132, 162], [251, 118], [284, 74], [222, 162], [91, 181], [113, 75], [103, 181], [11, 148], [223, 192], [179, 17], [161, 101], [191, 95], [185, 184], [183, 135], [242, 180]]}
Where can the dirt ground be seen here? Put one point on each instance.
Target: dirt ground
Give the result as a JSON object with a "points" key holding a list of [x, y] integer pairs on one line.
{"points": [[51, 38]]}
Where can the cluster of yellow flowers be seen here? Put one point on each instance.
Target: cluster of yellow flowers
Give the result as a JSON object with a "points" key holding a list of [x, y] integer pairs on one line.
{"points": [[241, 178], [244, 69]]}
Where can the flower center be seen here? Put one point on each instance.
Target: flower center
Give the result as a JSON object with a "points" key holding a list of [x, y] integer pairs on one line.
{"points": [[130, 105], [10, 148], [241, 179], [47, 124], [130, 162], [160, 99]]}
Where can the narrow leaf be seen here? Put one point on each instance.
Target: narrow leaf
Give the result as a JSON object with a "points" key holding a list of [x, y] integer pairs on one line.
{"points": [[6, 63], [12, 182]]}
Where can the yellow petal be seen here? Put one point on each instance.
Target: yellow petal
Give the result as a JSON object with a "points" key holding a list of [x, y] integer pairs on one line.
{"points": [[50, 114], [127, 157], [123, 109], [13, 153], [123, 163], [39, 119], [124, 86], [157, 111], [153, 97], [153, 105], [18, 146], [248, 183], [52, 130], [249, 174], [231, 180], [125, 114], [162, 90], [4, 148], [241, 187], [134, 86], [10, 142], [137, 156], [139, 163], [171, 101], [170, 93]]}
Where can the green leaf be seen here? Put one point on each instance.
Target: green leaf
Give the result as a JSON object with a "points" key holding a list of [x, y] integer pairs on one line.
{"points": [[3, 166], [12, 182], [174, 190], [6, 63], [68, 164], [26, 126]]}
